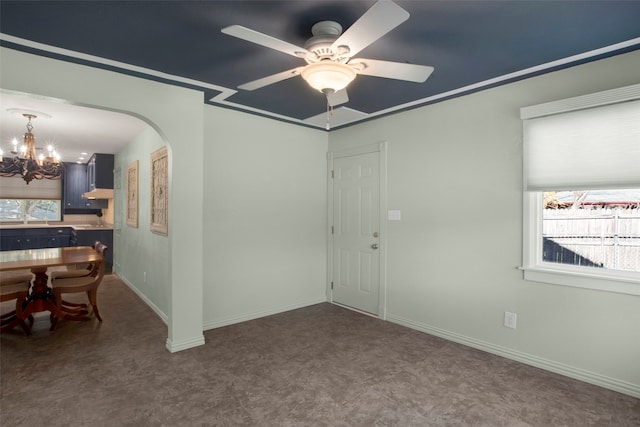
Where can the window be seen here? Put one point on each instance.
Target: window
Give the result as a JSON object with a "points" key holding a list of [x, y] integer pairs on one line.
{"points": [[582, 191], [598, 228], [29, 210], [38, 201]]}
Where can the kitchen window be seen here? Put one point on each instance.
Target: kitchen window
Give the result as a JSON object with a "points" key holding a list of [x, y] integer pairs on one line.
{"points": [[40, 200], [582, 191], [29, 210]]}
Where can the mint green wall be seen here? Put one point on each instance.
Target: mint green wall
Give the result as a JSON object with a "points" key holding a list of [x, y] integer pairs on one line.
{"points": [[264, 217], [454, 171], [142, 258]]}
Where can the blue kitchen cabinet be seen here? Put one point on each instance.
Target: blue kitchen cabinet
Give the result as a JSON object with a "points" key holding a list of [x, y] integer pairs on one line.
{"points": [[89, 237], [76, 183], [12, 239], [100, 171]]}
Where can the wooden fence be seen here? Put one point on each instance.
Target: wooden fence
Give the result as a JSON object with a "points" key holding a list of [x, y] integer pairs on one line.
{"points": [[607, 237]]}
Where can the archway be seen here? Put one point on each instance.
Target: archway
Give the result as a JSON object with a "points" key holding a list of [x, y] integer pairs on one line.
{"points": [[182, 130]]}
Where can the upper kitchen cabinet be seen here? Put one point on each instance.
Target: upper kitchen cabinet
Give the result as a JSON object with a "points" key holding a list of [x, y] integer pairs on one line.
{"points": [[75, 185], [100, 171]]}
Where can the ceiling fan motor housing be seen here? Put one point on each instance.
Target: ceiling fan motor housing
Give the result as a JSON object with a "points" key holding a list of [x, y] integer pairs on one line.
{"points": [[325, 33]]}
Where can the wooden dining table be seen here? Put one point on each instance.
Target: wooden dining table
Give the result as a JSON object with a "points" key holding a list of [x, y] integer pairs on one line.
{"points": [[39, 261]]}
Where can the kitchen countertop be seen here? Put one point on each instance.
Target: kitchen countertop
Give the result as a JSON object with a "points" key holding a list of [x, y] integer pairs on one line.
{"points": [[59, 224]]}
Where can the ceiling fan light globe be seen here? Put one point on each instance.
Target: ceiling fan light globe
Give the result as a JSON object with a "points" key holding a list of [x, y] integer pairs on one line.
{"points": [[328, 76]]}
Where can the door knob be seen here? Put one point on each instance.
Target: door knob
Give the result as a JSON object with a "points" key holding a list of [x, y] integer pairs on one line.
{"points": [[374, 246]]}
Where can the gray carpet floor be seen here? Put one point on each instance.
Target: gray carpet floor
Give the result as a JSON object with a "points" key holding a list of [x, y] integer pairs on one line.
{"points": [[317, 366]]}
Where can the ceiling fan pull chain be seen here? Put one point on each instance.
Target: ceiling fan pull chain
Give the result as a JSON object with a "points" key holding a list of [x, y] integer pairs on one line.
{"points": [[329, 113]]}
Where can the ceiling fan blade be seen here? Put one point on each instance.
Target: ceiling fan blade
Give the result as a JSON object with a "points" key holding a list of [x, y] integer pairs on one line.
{"points": [[392, 70], [337, 98], [381, 18], [275, 78], [264, 40]]}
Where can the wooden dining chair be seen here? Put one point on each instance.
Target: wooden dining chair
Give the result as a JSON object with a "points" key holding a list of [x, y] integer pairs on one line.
{"points": [[15, 286], [87, 283], [15, 276], [75, 270]]}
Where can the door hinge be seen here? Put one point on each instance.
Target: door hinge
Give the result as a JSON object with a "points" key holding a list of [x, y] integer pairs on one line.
{"points": [[332, 175], [331, 285], [332, 229]]}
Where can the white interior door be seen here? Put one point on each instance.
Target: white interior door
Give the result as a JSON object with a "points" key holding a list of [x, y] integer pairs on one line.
{"points": [[356, 231]]}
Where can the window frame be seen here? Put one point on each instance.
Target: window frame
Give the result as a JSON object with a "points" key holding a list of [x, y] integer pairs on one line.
{"points": [[534, 267], [537, 270]]}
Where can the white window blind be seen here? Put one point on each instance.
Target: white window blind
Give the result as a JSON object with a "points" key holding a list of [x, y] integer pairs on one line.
{"points": [[15, 188], [589, 147]]}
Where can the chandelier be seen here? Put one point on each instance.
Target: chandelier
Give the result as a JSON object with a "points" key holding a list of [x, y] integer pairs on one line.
{"points": [[24, 161]]}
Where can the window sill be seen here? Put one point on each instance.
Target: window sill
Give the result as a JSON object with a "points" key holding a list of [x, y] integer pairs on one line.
{"points": [[618, 282]]}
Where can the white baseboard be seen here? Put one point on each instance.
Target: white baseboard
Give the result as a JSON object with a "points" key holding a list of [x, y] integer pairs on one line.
{"points": [[146, 300], [528, 359], [174, 347], [251, 316]]}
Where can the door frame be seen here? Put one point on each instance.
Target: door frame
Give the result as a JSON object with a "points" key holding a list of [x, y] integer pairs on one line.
{"points": [[381, 149]]}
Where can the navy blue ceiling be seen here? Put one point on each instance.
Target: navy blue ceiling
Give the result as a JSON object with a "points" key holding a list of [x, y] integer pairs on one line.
{"points": [[468, 42]]}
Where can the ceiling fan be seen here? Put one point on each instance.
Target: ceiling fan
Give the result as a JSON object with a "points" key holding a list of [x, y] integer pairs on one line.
{"points": [[329, 53]]}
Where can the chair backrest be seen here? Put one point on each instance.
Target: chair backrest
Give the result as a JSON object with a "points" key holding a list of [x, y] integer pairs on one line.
{"points": [[97, 268], [100, 247]]}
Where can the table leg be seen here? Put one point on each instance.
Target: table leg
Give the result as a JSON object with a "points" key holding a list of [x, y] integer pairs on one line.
{"points": [[41, 297]]}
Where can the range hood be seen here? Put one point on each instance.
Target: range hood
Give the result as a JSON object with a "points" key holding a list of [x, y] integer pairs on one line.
{"points": [[99, 193]]}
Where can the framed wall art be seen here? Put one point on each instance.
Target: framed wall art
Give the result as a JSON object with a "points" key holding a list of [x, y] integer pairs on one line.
{"points": [[160, 191], [132, 194]]}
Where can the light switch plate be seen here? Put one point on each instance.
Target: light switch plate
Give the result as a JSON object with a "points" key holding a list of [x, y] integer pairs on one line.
{"points": [[394, 215]]}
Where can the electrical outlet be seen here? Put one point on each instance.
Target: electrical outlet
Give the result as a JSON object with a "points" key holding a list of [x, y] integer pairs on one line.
{"points": [[510, 319]]}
